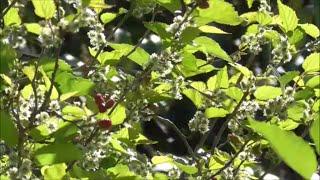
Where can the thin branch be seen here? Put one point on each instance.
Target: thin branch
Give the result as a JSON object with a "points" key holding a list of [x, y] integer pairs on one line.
{"points": [[225, 124], [232, 159], [179, 133]]}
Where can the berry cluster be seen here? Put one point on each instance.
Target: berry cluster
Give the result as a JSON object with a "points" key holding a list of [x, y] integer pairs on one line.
{"points": [[103, 102]]}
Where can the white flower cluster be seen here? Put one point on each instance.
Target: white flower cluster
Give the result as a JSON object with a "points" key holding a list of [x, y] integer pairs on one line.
{"points": [[23, 173], [174, 173], [264, 6], [178, 84], [96, 36], [247, 107], [141, 7], [49, 36], [85, 17], [162, 64], [14, 35], [281, 53], [75, 3], [139, 108], [138, 163], [278, 107], [100, 75], [199, 122], [254, 41], [179, 25], [313, 46], [216, 98], [95, 151]]}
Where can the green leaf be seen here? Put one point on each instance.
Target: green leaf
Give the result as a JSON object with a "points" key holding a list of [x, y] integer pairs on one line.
{"points": [[45, 9], [249, 3], [56, 171], [293, 150], [212, 30], [161, 159], [314, 82], [54, 94], [296, 36], [171, 5], [267, 92], [72, 110], [160, 176], [220, 80], [107, 17], [57, 153], [315, 132], [295, 110], [191, 66], [219, 11], [118, 115], [159, 29], [195, 96], [8, 131], [7, 56], [209, 46], [287, 77], [66, 83], [244, 70], [310, 29], [263, 18], [316, 106], [186, 168], [312, 63], [288, 124], [213, 112], [188, 34], [29, 71], [288, 17], [48, 65], [304, 94], [235, 93], [139, 56], [12, 17], [120, 171], [98, 5], [34, 28]]}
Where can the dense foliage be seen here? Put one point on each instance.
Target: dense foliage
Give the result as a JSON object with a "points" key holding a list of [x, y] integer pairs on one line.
{"points": [[67, 118]]}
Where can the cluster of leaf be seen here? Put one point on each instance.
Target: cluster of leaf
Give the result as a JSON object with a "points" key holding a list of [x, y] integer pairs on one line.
{"points": [[56, 154]]}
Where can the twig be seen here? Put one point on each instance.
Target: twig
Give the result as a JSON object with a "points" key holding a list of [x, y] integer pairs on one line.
{"points": [[232, 159], [225, 124], [55, 70]]}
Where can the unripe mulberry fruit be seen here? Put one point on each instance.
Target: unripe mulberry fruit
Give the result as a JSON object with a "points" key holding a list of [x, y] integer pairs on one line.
{"points": [[99, 99], [110, 103], [203, 4], [105, 124], [102, 107]]}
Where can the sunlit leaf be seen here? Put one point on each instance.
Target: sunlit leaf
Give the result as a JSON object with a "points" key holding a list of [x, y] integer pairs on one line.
{"points": [[45, 9], [293, 150], [312, 63], [288, 17], [267, 92]]}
